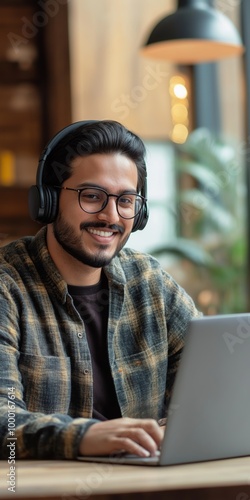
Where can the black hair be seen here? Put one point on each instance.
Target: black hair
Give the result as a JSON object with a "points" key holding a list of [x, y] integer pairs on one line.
{"points": [[97, 137]]}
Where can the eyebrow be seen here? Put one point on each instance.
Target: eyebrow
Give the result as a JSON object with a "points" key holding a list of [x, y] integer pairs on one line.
{"points": [[92, 185]]}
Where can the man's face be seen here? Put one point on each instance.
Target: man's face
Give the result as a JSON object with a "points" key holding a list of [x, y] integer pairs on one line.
{"points": [[94, 239]]}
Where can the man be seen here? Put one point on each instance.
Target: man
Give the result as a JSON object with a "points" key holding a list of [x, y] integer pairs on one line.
{"points": [[90, 333]]}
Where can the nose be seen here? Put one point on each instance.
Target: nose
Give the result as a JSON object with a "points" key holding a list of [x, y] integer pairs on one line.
{"points": [[109, 213]]}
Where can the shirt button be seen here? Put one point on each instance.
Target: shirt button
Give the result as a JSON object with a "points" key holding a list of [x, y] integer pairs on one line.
{"points": [[86, 371], [79, 335]]}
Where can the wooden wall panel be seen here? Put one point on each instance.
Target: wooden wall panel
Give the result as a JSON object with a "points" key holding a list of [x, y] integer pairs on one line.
{"points": [[35, 99], [14, 215]]}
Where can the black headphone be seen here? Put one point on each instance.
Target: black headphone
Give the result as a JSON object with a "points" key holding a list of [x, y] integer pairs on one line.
{"points": [[43, 199]]}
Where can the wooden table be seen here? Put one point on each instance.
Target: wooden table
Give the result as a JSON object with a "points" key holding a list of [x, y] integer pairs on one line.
{"points": [[71, 480]]}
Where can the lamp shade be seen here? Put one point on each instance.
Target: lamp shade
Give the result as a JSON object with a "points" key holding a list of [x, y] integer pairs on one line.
{"points": [[195, 33]]}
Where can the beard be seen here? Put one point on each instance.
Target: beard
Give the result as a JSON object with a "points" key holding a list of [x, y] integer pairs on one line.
{"points": [[72, 243]]}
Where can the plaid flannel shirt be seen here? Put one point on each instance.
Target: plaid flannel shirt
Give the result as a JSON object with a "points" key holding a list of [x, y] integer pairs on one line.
{"points": [[45, 365]]}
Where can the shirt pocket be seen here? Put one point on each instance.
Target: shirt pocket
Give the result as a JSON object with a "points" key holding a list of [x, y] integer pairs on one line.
{"points": [[47, 383]]}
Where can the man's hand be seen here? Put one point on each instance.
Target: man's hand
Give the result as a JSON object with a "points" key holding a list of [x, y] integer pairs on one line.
{"points": [[141, 437]]}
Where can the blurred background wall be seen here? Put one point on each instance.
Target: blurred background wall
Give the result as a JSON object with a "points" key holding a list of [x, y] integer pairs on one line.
{"points": [[69, 60]]}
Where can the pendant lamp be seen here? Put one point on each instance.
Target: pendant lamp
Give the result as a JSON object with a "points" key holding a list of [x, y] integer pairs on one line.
{"points": [[195, 33]]}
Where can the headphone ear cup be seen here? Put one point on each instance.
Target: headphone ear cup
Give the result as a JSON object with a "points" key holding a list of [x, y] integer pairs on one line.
{"points": [[42, 199], [51, 204], [43, 204], [141, 219], [36, 203]]}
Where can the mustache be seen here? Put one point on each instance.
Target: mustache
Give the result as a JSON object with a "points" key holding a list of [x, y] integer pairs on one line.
{"points": [[99, 225]]}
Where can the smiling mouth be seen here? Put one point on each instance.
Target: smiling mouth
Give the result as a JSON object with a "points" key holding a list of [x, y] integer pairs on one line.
{"points": [[98, 232]]}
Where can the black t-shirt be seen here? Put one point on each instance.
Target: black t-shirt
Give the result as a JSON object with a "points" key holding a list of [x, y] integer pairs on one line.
{"points": [[92, 303]]}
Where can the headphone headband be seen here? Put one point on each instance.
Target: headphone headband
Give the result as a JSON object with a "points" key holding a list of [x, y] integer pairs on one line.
{"points": [[43, 199], [69, 129]]}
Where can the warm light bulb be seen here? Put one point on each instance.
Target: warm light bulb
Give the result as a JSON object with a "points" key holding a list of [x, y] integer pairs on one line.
{"points": [[179, 133], [180, 91], [180, 113], [7, 168]]}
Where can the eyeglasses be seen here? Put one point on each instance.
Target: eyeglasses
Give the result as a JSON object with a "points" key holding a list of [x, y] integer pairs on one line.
{"points": [[94, 200]]}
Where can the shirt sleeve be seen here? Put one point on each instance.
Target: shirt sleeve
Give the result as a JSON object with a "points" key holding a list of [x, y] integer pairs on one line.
{"points": [[30, 434]]}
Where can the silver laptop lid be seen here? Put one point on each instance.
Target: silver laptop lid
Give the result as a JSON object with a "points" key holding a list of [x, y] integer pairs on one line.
{"points": [[209, 413]]}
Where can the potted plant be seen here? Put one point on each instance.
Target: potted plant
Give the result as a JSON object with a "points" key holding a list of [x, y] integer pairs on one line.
{"points": [[210, 225]]}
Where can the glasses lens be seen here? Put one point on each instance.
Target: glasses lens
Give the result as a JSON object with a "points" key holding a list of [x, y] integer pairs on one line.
{"points": [[92, 200], [129, 205]]}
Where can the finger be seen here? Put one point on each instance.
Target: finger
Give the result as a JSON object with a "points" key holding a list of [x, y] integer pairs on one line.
{"points": [[153, 429], [127, 445], [138, 438]]}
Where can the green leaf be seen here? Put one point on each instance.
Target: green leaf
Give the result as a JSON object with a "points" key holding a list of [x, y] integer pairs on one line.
{"points": [[211, 208], [200, 173], [186, 249], [211, 150]]}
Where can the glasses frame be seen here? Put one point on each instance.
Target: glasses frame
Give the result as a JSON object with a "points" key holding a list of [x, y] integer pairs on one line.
{"points": [[117, 196]]}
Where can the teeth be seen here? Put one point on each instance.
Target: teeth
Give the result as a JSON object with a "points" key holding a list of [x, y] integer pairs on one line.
{"points": [[100, 233]]}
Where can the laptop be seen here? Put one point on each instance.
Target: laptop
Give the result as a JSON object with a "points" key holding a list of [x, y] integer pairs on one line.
{"points": [[209, 411]]}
